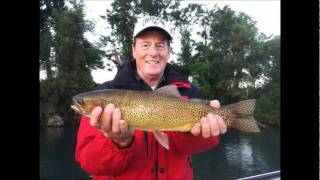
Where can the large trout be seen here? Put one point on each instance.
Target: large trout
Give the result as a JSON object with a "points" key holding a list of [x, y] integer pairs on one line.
{"points": [[164, 110]]}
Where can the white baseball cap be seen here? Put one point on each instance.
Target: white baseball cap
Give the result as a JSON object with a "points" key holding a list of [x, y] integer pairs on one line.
{"points": [[150, 22]]}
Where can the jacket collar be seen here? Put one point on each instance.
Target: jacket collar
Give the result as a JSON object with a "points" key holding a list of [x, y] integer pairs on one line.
{"points": [[127, 74]]}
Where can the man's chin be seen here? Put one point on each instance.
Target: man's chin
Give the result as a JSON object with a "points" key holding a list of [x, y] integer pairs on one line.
{"points": [[153, 70], [153, 74]]}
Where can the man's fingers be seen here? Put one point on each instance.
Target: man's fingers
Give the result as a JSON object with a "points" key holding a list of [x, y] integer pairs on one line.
{"points": [[213, 124], [196, 129], [205, 127], [95, 116], [123, 127], [125, 131], [215, 104], [106, 118], [116, 116], [222, 125], [131, 130]]}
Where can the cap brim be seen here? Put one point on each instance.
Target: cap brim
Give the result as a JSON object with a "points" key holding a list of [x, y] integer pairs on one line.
{"points": [[154, 27]]}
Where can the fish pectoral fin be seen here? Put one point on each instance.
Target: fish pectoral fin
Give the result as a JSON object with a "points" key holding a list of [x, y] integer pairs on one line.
{"points": [[169, 90], [162, 138], [88, 116], [200, 101]]}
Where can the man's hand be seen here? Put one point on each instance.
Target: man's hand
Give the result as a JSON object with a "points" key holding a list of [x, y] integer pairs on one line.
{"points": [[211, 125], [109, 122]]}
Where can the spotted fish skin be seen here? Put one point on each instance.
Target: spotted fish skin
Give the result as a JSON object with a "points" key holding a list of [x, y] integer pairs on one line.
{"points": [[154, 110]]}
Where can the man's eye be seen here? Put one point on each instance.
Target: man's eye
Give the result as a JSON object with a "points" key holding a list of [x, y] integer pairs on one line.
{"points": [[145, 46], [160, 46]]}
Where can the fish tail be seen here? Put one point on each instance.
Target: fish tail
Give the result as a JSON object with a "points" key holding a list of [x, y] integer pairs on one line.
{"points": [[243, 119]]}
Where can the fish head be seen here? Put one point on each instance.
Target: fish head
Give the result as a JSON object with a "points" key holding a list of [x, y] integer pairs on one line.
{"points": [[82, 105]]}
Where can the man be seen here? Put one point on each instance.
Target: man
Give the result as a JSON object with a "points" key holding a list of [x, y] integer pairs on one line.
{"points": [[108, 149]]}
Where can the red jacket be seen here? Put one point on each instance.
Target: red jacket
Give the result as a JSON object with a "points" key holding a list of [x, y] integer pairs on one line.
{"points": [[144, 159], [98, 156]]}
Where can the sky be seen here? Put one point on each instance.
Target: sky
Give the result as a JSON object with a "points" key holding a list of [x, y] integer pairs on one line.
{"points": [[266, 13]]}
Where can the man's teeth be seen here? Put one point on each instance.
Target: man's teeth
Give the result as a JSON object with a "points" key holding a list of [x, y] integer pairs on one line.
{"points": [[152, 62]]}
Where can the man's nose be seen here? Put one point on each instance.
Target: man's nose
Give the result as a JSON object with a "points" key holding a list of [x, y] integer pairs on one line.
{"points": [[153, 51]]}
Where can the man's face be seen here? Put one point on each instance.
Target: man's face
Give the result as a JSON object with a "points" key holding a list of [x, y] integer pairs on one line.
{"points": [[151, 52]]}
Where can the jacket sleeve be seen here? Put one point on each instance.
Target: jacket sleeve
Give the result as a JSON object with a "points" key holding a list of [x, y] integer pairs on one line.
{"points": [[97, 154], [185, 142]]}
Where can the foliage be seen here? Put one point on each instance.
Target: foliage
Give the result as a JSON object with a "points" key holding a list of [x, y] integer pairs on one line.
{"points": [[46, 36], [122, 18], [229, 57], [73, 58], [224, 50], [268, 102]]}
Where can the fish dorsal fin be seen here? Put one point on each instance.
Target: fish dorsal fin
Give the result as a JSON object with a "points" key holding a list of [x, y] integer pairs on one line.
{"points": [[196, 99], [169, 90], [200, 100]]}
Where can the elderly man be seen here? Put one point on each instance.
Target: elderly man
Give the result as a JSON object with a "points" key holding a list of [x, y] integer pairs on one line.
{"points": [[108, 149]]}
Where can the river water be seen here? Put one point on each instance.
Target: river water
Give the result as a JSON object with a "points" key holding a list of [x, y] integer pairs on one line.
{"points": [[238, 155]]}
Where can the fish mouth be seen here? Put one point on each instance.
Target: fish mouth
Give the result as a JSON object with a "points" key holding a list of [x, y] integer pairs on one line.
{"points": [[79, 110], [75, 108], [152, 62]]}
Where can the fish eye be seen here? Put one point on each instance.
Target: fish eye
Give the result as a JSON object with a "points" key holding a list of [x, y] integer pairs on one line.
{"points": [[80, 101]]}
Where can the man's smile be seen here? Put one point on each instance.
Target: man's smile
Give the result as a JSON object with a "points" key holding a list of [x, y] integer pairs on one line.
{"points": [[152, 62]]}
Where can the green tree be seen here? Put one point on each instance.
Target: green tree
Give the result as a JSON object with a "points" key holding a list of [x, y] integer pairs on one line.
{"points": [[183, 20], [74, 58], [229, 57], [46, 36], [122, 19], [268, 96], [225, 54]]}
